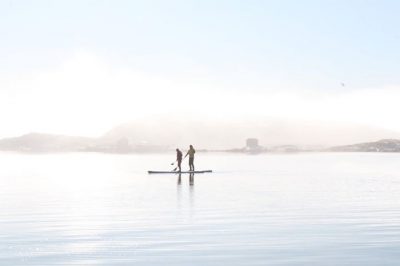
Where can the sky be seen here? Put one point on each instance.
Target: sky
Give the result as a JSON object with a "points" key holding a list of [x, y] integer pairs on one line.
{"points": [[82, 67]]}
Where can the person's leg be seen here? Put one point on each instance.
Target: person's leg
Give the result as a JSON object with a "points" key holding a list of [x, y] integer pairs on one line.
{"points": [[193, 163], [179, 165], [191, 166]]}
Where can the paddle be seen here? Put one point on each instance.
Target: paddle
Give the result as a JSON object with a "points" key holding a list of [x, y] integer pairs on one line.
{"points": [[178, 166], [175, 167]]}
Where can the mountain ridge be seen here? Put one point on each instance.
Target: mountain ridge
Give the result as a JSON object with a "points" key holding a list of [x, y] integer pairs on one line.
{"points": [[157, 135]]}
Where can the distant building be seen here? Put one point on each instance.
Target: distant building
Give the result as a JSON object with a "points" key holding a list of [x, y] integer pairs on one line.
{"points": [[252, 146], [252, 143]]}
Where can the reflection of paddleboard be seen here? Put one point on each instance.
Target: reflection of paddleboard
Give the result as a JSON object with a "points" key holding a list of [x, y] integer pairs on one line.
{"points": [[177, 172]]}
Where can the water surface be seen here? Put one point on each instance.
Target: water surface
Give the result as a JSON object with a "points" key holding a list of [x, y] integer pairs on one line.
{"points": [[272, 209]]}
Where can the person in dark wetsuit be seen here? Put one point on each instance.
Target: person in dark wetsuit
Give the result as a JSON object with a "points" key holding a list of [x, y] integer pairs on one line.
{"points": [[179, 158], [191, 153]]}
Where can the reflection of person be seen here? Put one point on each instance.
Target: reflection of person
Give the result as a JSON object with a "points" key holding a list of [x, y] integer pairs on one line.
{"points": [[179, 158], [179, 179], [191, 179], [191, 153]]}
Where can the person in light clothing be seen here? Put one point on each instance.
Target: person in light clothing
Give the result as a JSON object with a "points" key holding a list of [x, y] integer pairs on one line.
{"points": [[191, 153]]}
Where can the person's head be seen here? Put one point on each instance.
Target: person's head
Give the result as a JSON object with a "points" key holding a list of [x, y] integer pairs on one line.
{"points": [[177, 149], [191, 146]]}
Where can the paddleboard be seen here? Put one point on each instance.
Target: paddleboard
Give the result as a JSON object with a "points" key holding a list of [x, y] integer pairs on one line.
{"points": [[182, 172]]}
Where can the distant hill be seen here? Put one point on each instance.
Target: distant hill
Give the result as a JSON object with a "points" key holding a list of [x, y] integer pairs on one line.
{"points": [[166, 134], [232, 134], [37, 142], [384, 145]]}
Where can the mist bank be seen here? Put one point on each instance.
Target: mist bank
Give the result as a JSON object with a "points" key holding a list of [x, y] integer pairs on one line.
{"points": [[165, 134], [215, 133]]}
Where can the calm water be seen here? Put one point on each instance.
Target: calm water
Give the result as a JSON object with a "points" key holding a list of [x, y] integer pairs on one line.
{"points": [[296, 209]]}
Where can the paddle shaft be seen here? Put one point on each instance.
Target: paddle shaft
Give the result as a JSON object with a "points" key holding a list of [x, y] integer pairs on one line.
{"points": [[178, 166]]}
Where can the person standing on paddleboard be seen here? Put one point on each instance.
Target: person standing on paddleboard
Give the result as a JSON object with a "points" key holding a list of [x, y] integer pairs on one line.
{"points": [[191, 153], [179, 158]]}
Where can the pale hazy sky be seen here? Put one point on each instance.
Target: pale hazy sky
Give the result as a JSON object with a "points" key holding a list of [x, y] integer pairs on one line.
{"points": [[81, 67]]}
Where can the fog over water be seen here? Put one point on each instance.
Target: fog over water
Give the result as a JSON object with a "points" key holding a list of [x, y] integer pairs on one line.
{"points": [[84, 95], [225, 134]]}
